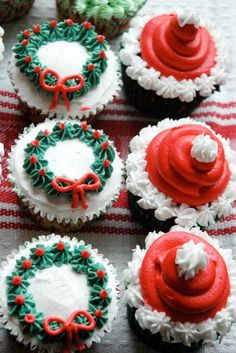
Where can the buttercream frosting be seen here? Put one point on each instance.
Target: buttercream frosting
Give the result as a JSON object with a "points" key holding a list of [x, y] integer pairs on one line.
{"points": [[204, 149]]}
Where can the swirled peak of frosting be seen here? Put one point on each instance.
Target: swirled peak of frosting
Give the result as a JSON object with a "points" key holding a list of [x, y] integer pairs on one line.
{"points": [[186, 300], [176, 45], [185, 171]]}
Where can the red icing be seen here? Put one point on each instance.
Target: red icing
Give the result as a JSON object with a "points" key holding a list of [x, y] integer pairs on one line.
{"points": [[87, 25], [91, 67], [174, 172], [42, 172], [85, 254], [26, 264], [98, 313], [96, 134], [39, 252], [183, 52], [61, 246], [105, 145], [29, 319], [19, 300], [33, 159], [106, 163], [102, 54], [101, 273], [84, 126], [17, 280], [28, 59], [100, 38], [103, 294], [193, 300], [53, 23], [35, 143], [47, 133], [70, 22], [36, 29], [37, 69], [25, 42], [26, 33]]}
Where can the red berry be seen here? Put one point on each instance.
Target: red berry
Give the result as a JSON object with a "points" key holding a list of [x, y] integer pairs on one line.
{"points": [[26, 33], [33, 159], [35, 143], [47, 133], [62, 126], [70, 22], [25, 42], [106, 163], [60, 246], [103, 294], [17, 280], [98, 313], [28, 59], [100, 38], [37, 69], [101, 273], [39, 252], [85, 254], [87, 25], [53, 23], [102, 54], [91, 67], [36, 29], [96, 134], [84, 126], [29, 318], [42, 172], [105, 145], [19, 300], [26, 264]]}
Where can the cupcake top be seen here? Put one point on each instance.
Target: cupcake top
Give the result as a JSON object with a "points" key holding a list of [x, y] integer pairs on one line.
{"points": [[105, 9], [174, 55], [64, 68], [183, 286], [1, 155], [182, 169], [57, 294], [65, 171], [2, 48]]}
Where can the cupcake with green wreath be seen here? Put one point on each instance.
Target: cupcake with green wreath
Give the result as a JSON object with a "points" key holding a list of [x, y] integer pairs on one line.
{"points": [[65, 173], [63, 69], [111, 17], [13, 9], [58, 294]]}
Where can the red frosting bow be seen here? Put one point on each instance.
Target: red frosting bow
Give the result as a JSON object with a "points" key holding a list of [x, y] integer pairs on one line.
{"points": [[60, 86], [70, 327], [78, 187]]}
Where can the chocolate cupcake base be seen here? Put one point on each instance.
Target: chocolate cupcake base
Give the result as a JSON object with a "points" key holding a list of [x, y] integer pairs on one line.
{"points": [[155, 106], [155, 340], [8, 13]]}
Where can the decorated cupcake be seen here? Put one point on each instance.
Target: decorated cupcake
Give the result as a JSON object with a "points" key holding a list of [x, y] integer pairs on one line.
{"points": [[180, 171], [57, 294], [63, 69], [65, 173], [13, 9], [170, 63], [2, 48], [181, 290], [111, 17]]}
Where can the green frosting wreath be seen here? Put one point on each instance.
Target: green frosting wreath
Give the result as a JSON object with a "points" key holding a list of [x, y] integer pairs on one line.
{"points": [[22, 304], [39, 171], [30, 40]]}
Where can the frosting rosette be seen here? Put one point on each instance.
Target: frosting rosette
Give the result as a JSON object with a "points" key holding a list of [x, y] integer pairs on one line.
{"points": [[176, 171]]}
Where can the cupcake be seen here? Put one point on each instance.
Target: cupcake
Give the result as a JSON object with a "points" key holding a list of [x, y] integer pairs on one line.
{"points": [[1, 155], [180, 172], [111, 17], [2, 48], [65, 173], [63, 69], [181, 290], [57, 294], [170, 63], [13, 9]]}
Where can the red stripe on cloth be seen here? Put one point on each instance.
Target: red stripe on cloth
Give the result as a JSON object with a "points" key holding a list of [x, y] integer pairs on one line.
{"points": [[214, 114], [11, 213], [225, 105], [8, 94], [9, 105], [224, 231]]}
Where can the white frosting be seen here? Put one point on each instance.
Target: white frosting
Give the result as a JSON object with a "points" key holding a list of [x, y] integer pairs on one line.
{"points": [[190, 259], [57, 283], [2, 48], [138, 182], [187, 17], [67, 58], [169, 87], [204, 149], [158, 322], [60, 209]]}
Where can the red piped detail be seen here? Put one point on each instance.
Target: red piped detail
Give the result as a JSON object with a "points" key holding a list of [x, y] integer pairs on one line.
{"points": [[96, 134], [84, 109], [61, 246], [29, 319], [70, 22], [84, 126], [87, 25], [28, 59], [91, 67], [85, 254], [39, 252], [26, 33], [47, 133], [35, 143], [98, 313], [105, 145], [33, 159], [62, 126], [42, 172], [101, 273], [37, 69], [103, 294], [17, 280], [19, 300], [36, 29], [101, 38], [102, 54], [26, 264], [53, 23], [24, 42], [106, 163]]}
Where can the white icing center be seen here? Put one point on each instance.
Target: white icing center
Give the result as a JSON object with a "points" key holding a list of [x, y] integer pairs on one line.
{"points": [[69, 288], [186, 16], [204, 149], [66, 58], [69, 159], [190, 259]]}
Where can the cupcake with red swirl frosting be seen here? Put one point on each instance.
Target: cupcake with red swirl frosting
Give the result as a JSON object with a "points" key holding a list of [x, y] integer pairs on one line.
{"points": [[180, 172], [171, 62], [181, 290]]}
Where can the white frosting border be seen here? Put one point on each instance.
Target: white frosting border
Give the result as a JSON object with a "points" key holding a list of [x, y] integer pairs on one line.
{"points": [[168, 87], [159, 322], [164, 207], [50, 208], [12, 323]]}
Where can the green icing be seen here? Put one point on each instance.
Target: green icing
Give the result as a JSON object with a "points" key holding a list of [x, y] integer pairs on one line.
{"points": [[38, 169], [82, 261], [62, 31]]}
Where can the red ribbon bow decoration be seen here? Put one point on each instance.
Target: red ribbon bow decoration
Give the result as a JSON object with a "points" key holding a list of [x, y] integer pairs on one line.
{"points": [[78, 187], [60, 86], [70, 327]]}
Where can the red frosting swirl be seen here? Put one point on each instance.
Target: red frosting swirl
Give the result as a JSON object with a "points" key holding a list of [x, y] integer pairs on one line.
{"points": [[173, 171], [183, 52], [193, 300]]}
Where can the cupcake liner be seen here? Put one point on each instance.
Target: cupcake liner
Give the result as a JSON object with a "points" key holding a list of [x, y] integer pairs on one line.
{"points": [[156, 106], [146, 217], [155, 340], [11, 12]]}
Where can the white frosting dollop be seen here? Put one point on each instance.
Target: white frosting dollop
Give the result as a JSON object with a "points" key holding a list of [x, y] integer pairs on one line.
{"points": [[190, 259], [204, 149], [2, 48], [187, 17]]}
